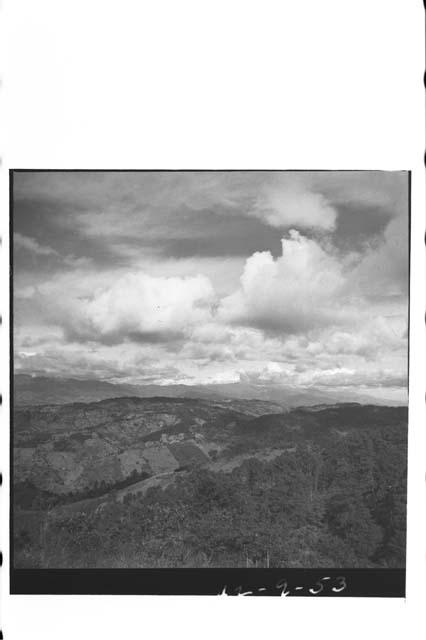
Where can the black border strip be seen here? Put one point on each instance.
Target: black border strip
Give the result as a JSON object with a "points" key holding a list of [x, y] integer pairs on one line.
{"points": [[385, 583], [23, 170], [409, 283], [11, 373]]}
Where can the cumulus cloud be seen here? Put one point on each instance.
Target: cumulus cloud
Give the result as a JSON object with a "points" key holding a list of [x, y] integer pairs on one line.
{"points": [[185, 277], [117, 367], [297, 207], [124, 362], [355, 304], [274, 373], [343, 377], [291, 294], [140, 307], [271, 373]]}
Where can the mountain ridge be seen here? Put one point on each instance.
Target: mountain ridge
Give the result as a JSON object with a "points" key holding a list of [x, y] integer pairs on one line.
{"points": [[42, 390]]}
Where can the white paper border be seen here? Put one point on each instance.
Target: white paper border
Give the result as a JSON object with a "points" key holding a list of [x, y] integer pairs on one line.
{"points": [[266, 84]]}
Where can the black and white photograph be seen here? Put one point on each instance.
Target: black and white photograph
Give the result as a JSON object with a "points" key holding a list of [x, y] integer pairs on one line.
{"points": [[210, 369], [212, 320]]}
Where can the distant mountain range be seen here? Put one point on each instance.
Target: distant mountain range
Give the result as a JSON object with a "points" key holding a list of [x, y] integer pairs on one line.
{"points": [[39, 390]]}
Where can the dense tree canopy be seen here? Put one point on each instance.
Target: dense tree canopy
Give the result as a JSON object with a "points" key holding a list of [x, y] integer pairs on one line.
{"points": [[338, 503]]}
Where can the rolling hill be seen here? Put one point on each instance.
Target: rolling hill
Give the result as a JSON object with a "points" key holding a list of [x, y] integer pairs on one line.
{"points": [[208, 482]]}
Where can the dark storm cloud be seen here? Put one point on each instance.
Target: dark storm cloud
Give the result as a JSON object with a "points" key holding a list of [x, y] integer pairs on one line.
{"points": [[387, 189], [213, 234], [359, 223], [199, 233], [50, 222], [177, 232], [84, 335], [110, 217]]}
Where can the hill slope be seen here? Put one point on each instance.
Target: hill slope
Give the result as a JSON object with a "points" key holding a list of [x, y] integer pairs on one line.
{"points": [[76, 447], [194, 482]]}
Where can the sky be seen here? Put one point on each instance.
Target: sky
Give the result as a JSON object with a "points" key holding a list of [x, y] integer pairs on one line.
{"points": [[297, 279]]}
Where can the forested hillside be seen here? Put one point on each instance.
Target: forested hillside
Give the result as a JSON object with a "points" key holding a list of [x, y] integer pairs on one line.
{"points": [[196, 483]]}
